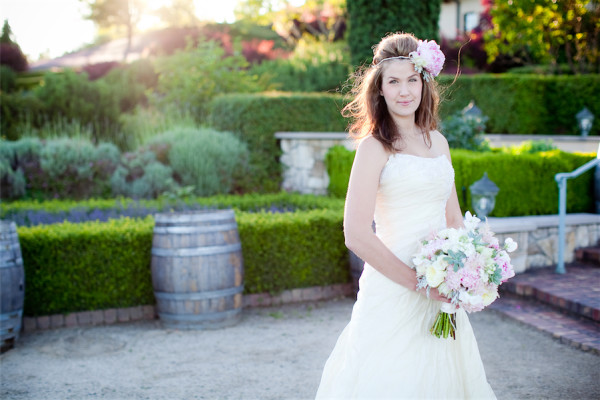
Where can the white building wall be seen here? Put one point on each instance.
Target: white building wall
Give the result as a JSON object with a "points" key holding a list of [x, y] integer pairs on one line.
{"points": [[448, 28]]}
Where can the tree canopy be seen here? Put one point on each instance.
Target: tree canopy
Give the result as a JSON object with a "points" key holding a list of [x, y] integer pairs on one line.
{"points": [[547, 32]]}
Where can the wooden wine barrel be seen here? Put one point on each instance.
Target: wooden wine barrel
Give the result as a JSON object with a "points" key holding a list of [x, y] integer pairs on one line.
{"points": [[197, 269], [12, 285]]}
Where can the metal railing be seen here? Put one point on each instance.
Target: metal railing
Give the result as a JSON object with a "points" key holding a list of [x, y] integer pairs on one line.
{"points": [[561, 179]]}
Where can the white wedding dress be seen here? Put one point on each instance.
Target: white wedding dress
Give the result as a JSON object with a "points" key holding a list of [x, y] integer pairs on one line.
{"points": [[387, 351]]}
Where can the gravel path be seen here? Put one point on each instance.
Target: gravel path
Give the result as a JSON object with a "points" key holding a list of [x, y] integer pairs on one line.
{"points": [[273, 353]]}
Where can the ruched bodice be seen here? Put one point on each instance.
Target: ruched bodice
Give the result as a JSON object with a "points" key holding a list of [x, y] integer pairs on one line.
{"points": [[387, 351], [411, 200]]}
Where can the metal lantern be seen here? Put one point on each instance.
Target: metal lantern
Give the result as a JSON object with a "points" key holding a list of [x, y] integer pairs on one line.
{"points": [[483, 196], [585, 119]]}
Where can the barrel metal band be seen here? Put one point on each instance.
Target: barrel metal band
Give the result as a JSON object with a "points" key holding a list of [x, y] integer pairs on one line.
{"points": [[194, 229], [197, 251], [11, 264], [200, 317], [217, 215], [200, 295], [17, 314]]}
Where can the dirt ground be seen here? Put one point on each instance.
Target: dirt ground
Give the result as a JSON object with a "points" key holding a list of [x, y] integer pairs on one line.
{"points": [[273, 353]]}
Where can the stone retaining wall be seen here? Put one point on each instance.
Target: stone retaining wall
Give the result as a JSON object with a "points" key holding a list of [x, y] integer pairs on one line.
{"points": [[303, 159], [537, 237]]}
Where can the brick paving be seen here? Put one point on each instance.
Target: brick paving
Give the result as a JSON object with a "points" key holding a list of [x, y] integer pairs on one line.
{"points": [[577, 291], [565, 306]]}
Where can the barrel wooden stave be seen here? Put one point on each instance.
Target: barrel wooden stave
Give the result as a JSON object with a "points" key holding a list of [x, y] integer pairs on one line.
{"points": [[197, 270], [12, 285]]}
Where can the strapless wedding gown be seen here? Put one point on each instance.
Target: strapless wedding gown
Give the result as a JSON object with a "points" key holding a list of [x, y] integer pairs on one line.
{"points": [[387, 351]]}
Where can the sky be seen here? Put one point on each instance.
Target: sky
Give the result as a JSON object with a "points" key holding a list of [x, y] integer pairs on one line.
{"points": [[54, 27]]}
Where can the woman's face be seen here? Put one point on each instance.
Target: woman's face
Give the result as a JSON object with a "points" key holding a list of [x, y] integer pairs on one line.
{"points": [[401, 87]]}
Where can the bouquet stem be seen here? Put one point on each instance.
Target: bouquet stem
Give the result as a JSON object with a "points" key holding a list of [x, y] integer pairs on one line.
{"points": [[444, 325]]}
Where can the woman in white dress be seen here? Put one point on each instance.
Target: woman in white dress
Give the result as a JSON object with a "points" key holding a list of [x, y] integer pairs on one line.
{"points": [[402, 178]]}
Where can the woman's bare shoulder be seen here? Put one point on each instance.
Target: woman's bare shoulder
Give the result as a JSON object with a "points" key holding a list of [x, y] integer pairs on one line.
{"points": [[439, 141], [372, 146], [371, 151]]}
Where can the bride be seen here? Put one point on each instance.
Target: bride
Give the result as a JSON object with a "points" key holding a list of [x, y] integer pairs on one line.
{"points": [[402, 178]]}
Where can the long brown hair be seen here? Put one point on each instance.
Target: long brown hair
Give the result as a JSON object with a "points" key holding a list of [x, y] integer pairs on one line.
{"points": [[368, 108]]}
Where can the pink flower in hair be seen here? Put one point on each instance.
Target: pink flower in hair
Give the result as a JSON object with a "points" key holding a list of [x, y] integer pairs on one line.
{"points": [[428, 57]]}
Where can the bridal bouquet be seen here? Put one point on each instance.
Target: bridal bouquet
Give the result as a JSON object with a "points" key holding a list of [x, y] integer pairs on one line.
{"points": [[467, 265]]}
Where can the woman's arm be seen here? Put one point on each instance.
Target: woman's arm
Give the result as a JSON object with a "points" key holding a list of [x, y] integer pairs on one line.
{"points": [[454, 217], [370, 159]]}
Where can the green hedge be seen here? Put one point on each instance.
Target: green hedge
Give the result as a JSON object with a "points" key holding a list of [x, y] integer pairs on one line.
{"points": [[256, 118], [89, 266], [95, 265], [526, 181], [525, 104], [22, 210]]}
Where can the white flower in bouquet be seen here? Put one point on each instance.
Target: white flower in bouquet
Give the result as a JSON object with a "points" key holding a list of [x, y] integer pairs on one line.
{"points": [[466, 265]]}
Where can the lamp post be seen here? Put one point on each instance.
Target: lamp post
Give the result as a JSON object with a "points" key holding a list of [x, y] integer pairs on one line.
{"points": [[483, 196], [585, 120]]}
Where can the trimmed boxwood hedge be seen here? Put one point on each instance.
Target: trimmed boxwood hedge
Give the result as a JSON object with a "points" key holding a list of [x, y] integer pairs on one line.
{"points": [[28, 212], [256, 118], [526, 181], [98, 265], [88, 266], [525, 104]]}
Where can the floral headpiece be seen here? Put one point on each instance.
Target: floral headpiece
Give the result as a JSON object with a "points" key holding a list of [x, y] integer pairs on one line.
{"points": [[428, 59]]}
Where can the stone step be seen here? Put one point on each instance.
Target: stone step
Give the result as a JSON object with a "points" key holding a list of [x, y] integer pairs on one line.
{"points": [[576, 292], [578, 332], [588, 255]]}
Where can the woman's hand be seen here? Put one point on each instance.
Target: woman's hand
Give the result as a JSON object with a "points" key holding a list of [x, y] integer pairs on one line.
{"points": [[434, 295]]}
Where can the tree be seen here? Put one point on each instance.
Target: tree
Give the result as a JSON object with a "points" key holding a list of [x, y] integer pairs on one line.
{"points": [[180, 13], [117, 13], [10, 52], [370, 20], [323, 19], [258, 11], [6, 33], [546, 32]]}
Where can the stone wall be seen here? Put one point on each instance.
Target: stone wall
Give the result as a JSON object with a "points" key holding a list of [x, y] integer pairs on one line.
{"points": [[303, 159], [537, 237]]}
